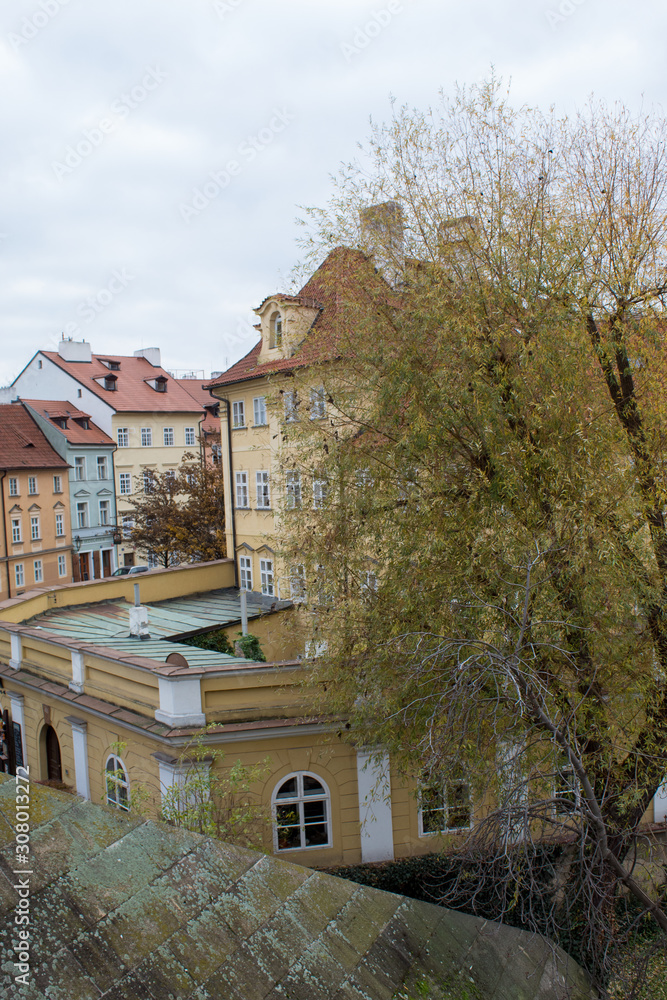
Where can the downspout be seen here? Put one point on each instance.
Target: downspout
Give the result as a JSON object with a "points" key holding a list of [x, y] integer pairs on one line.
{"points": [[4, 531], [202, 443], [231, 483]]}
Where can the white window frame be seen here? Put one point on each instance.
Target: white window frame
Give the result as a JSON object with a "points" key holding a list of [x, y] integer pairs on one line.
{"points": [[318, 403], [245, 572], [19, 575], [34, 528], [123, 437], [242, 498], [276, 331], [13, 486], [80, 468], [82, 514], [32, 486], [127, 525], [57, 484], [17, 535], [190, 437], [238, 414], [369, 582], [291, 404], [297, 583], [62, 565], [259, 411], [320, 490], [292, 489], [146, 437], [103, 467], [443, 788], [105, 512], [298, 801], [117, 783], [60, 525], [38, 571], [148, 481], [124, 479], [267, 577], [168, 436], [263, 491]]}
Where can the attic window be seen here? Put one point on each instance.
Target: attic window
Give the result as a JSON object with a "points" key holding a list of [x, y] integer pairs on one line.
{"points": [[276, 332], [83, 422], [110, 382], [62, 422], [159, 383], [113, 366]]}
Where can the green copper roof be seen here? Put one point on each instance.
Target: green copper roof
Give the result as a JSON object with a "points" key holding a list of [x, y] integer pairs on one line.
{"points": [[124, 909]]}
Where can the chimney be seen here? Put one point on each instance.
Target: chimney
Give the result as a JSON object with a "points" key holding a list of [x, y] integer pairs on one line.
{"points": [[382, 237], [74, 350], [151, 354], [138, 618]]}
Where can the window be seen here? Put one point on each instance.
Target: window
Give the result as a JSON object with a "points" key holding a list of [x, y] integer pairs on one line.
{"points": [[102, 467], [168, 436], [444, 807], [128, 526], [105, 510], [118, 785], [297, 583], [82, 514], [369, 582], [149, 484], [319, 493], [291, 402], [363, 479], [318, 404], [216, 453], [79, 393], [276, 330], [125, 483], [79, 469], [19, 575], [37, 570], [189, 435], [13, 486], [32, 485], [60, 525], [110, 382], [245, 572], [146, 437], [238, 413], [263, 495], [241, 489], [62, 566], [293, 489], [259, 410], [16, 529], [57, 484], [34, 528], [302, 814], [266, 576], [123, 437]]}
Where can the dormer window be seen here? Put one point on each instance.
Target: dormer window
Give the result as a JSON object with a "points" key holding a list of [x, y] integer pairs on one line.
{"points": [[62, 422], [110, 382], [276, 336], [113, 366], [159, 383]]}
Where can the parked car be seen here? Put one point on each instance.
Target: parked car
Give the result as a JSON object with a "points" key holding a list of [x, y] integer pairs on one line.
{"points": [[129, 570]]}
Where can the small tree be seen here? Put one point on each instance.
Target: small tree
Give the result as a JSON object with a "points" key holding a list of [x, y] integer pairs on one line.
{"points": [[156, 513]]}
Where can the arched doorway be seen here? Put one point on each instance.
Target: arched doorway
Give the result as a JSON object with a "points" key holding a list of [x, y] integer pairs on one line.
{"points": [[54, 770]]}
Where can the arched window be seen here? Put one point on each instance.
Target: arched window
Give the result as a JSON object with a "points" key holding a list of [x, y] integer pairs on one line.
{"points": [[302, 813], [118, 783], [276, 337]]}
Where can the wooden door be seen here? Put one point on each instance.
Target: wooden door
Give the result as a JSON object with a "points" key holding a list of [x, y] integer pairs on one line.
{"points": [[54, 771], [106, 562], [96, 565]]}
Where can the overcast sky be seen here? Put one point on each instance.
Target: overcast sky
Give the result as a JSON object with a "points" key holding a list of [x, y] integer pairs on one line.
{"points": [[114, 116]]}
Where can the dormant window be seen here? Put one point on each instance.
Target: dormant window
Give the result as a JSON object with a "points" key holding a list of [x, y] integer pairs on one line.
{"points": [[291, 402], [242, 489], [168, 436], [60, 525], [32, 485], [266, 577], [318, 404], [16, 529], [37, 570], [245, 572], [146, 437], [102, 467], [263, 494], [79, 468], [117, 782], [123, 437], [444, 807], [19, 575], [125, 483], [293, 489], [189, 435], [259, 410], [34, 528], [238, 413], [13, 486], [302, 813], [57, 484], [62, 566]]}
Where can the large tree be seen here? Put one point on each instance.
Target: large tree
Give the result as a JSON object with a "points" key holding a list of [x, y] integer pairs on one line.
{"points": [[486, 551]]}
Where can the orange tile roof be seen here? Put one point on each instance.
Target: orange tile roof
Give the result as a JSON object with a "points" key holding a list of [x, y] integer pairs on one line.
{"points": [[74, 432], [200, 393], [133, 394], [22, 443], [344, 282]]}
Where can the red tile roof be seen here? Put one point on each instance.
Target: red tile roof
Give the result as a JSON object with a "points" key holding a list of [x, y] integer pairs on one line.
{"points": [[22, 444], [74, 433], [133, 394], [198, 391], [343, 284]]}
